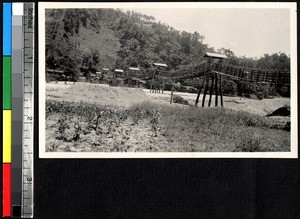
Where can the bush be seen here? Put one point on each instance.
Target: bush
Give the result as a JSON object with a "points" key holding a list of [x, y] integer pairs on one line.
{"points": [[285, 91], [229, 87], [249, 144], [180, 100], [191, 90], [181, 89], [287, 126], [263, 90], [260, 95], [273, 91], [245, 88]]}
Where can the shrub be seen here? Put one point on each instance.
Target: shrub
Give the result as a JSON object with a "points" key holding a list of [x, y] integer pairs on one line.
{"points": [[260, 95], [285, 91], [287, 126], [245, 88], [249, 144], [191, 90], [273, 91], [182, 89], [229, 87], [180, 100]]}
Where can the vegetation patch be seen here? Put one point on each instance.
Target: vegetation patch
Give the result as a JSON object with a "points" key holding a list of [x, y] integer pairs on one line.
{"points": [[156, 127], [180, 100]]}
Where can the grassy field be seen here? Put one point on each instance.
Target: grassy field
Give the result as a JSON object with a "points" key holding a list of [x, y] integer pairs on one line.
{"points": [[153, 126]]}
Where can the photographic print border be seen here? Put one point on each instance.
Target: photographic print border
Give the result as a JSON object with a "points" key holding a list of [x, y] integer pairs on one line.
{"points": [[42, 82]]}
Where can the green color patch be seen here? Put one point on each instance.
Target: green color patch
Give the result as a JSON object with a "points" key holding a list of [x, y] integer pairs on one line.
{"points": [[7, 82]]}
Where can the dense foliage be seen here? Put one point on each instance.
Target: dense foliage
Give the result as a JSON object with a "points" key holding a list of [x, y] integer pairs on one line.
{"points": [[107, 38]]}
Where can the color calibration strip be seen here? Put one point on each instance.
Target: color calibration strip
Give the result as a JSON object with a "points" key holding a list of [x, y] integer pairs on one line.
{"points": [[7, 109], [18, 96], [17, 107]]}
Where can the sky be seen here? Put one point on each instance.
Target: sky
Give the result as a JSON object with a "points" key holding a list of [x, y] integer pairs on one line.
{"points": [[249, 32]]}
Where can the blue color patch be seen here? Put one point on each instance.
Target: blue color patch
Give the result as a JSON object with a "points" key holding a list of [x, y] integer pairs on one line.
{"points": [[7, 28]]}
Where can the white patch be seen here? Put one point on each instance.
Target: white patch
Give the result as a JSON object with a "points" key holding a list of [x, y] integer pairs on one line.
{"points": [[17, 8]]}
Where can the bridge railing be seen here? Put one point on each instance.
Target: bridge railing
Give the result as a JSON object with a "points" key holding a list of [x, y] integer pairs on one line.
{"points": [[279, 77]]}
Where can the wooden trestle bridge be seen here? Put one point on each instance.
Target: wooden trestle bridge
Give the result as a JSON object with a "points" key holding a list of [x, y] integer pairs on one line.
{"points": [[211, 71]]}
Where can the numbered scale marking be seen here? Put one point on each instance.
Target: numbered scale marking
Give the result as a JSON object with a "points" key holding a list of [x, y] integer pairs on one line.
{"points": [[28, 105]]}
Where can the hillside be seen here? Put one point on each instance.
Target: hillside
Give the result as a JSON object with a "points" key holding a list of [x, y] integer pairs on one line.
{"points": [[103, 43], [109, 38]]}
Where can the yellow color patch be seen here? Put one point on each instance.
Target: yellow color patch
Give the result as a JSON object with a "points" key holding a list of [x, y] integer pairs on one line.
{"points": [[7, 124]]}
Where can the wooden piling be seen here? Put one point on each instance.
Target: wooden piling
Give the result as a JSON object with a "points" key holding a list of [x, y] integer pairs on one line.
{"points": [[171, 99], [216, 89], [211, 89], [221, 91], [257, 76], [204, 78], [199, 92], [277, 76], [242, 75], [251, 73], [205, 90]]}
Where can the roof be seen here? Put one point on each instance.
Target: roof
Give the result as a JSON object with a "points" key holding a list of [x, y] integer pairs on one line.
{"points": [[134, 69], [119, 70], [160, 64], [215, 55], [105, 69], [54, 71], [142, 81]]}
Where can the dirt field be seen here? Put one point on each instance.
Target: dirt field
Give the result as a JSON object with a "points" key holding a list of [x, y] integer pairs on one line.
{"points": [[104, 95], [92, 117], [97, 94]]}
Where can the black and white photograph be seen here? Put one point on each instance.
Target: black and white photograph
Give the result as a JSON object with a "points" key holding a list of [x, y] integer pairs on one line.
{"points": [[147, 80]]}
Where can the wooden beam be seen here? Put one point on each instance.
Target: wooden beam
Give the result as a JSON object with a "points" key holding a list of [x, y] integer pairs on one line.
{"points": [[216, 90], [204, 78], [211, 89], [257, 76], [251, 73], [277, 77], [199, 92], [221, 91], [171, 99], [205, 91]]}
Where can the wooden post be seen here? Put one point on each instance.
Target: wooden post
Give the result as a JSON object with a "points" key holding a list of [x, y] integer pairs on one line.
{"points": [[211, 89], [204, 78], [239, 73], [277, 76], [205, 90], [221, 91], [264, 77], [199, 92], [216, 89], [242, 75], [152, 83], [226, 69], [171, 99]]}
